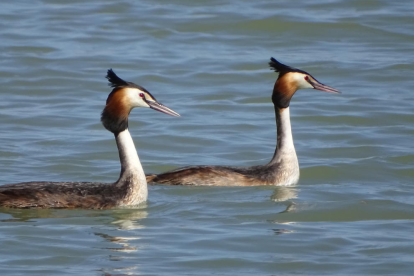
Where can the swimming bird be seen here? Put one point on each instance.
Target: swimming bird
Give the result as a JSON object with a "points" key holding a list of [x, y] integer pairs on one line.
{"points": [[131, 187], [283, 168]]}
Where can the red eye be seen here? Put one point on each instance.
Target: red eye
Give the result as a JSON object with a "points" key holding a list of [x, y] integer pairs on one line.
{"points": [[306, 78], [141, 95]]}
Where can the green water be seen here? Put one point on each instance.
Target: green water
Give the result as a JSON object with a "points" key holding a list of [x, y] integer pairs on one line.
{"points": [[352, 211]]}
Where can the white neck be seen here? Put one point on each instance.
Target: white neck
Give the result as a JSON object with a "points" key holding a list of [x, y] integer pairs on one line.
{"points": [[132, 179], [285, 149]]}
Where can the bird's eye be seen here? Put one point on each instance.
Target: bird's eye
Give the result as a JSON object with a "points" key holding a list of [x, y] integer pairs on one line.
{"points": [[306, 78], [141, 95]]}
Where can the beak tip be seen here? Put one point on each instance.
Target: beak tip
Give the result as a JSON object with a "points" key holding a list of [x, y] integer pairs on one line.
{"points": [[163, 109]]}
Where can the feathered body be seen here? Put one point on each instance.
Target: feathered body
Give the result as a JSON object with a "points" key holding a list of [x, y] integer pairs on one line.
{"points": [[131, 187], [87, 195], [283, 168]]}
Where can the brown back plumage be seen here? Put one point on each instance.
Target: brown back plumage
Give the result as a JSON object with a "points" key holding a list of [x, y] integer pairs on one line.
{"points": [[58, 195]]}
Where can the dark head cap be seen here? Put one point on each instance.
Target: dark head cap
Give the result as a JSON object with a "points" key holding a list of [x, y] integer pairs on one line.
{"points": [[290, 80]]}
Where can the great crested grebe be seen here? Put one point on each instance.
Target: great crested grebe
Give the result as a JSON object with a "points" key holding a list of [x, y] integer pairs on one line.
{"points": [[283, 169], [131, 187]]}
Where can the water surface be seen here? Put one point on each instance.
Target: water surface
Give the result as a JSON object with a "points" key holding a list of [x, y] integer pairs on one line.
{"points": [[352, 211]]}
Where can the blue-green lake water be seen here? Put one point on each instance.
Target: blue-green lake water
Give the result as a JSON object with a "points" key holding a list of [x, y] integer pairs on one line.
{"points": [[352, 212]]}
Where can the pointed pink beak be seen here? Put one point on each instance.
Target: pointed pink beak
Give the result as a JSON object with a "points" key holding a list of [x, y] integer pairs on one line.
{"points": [[319, 86]]}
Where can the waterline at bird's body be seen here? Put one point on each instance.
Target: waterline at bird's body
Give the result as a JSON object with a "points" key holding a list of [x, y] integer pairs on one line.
{"points": [[283, 169], [131, 187]]}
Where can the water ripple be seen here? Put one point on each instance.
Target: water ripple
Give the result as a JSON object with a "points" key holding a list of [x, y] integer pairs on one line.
{"points": [[351, 212]]}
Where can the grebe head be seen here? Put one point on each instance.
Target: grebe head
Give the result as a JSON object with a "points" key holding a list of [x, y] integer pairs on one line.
{"points": [[124, 97], [291, 80]]}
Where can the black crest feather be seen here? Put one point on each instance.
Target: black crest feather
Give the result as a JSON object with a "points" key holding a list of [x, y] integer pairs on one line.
{"points": [[114, 80], [282, 68]]}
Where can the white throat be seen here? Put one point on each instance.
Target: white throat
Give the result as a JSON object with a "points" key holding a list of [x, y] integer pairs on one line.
{"points": [[132, 178], [284, 132], [285, 155]]}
